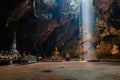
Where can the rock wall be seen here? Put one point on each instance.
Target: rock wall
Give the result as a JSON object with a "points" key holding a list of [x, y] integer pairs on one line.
{"points": [[107, 28], [41, 35], [38, 34]]}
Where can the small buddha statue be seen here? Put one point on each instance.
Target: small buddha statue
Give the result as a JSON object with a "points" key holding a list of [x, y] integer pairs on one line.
{"points": [[56, 52]]}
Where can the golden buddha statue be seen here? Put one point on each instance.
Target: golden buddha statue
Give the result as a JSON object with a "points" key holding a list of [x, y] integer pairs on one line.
{"points": [[56, 52]]}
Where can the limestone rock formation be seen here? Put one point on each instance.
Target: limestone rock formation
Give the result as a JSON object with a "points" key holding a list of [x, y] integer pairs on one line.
{"points": [[41, 33], [107, 27]]}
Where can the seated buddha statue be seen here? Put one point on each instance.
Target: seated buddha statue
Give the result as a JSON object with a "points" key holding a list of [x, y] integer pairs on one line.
{"points": [[56, 52]]}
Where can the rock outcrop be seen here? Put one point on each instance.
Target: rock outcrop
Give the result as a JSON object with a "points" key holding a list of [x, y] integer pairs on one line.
{"points": [[107, 28]]}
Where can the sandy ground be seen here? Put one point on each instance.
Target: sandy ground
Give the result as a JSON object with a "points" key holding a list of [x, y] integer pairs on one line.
{"points": [[61, 71]]}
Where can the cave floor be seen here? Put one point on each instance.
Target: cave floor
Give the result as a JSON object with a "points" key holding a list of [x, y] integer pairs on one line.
{"points": [[72, 70]]}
